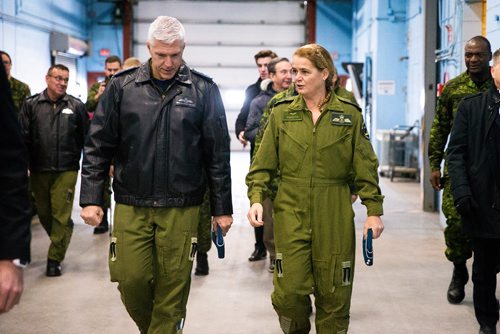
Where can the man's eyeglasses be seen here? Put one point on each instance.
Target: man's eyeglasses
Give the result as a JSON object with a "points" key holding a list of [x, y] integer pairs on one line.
{"points": [[6, 62], [481, 55], [59, 78]]}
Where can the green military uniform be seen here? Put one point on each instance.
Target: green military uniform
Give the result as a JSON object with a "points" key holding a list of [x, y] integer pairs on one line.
{"points": [[458, 247], [20, 91], [91, 103], [313, 215]]}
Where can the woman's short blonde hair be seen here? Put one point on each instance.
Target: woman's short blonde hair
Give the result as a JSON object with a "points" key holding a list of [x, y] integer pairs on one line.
{"points": [[320, 58]]}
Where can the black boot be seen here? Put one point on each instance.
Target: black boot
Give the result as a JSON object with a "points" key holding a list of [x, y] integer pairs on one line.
{"points": [[103, 227], [201, 264], [460, 277], [258, 254], [53, 268]]}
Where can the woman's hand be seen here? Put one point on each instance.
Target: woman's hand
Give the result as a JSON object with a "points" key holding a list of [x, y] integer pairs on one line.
{"points": [[254, 215]]}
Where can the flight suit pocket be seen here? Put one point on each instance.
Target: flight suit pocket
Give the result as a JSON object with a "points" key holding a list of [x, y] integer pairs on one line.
{"points": [[291, 152], [173, 255], [337, 149], [115, 258]]}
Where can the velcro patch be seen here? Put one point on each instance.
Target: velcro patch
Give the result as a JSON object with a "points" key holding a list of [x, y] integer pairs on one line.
{"points": [[292, 116], [339, 118]]}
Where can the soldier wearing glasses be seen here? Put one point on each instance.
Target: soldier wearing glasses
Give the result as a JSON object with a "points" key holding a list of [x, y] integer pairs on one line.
{"points": [[54, 125], [475, 79]]}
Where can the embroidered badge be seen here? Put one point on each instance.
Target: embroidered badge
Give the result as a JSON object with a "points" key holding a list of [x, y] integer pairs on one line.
{"points": [[67, 111], [292, 116], [339, 118]]}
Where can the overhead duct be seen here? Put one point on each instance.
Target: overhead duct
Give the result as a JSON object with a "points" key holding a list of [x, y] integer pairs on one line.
{"points": [[66, 44]]}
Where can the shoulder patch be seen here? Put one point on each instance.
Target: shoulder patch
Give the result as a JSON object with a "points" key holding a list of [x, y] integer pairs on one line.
{"points": [[364, 131], [201, 74], [347, 101]]}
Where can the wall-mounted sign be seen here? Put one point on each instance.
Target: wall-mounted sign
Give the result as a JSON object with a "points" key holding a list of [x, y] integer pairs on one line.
{"points": [[386, 87], [104, 52]]}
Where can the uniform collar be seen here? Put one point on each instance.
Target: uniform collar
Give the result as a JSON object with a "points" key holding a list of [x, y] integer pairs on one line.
{"points": [[182, 76], [333, 103], [45, 97]]}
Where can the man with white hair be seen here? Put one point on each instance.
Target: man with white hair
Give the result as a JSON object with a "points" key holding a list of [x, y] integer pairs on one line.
{"points": [[163, 126]]}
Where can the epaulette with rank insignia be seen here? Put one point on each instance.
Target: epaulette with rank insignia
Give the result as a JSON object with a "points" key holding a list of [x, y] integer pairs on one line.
{"points": [[343, 99]]}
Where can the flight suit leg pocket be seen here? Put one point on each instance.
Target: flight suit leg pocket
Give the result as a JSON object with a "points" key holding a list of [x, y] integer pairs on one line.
{"points": [[115, 257]]}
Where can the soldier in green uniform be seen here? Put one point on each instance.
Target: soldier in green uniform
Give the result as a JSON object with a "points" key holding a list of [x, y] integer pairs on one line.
{"points": [[20, 90], [306, 135], [144, 117], [477, 78], [54, 126], [112, 65]]}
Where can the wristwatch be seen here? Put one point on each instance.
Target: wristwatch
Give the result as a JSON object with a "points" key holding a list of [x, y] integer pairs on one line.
{"points": [[20, 263]]}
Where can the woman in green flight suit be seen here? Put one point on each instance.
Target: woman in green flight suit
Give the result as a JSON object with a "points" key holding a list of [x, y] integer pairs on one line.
{"points": [[316, 139]]}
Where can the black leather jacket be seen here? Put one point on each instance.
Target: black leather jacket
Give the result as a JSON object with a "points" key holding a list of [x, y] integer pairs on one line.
{"points": [[473, 162], [54, 132], [165, 147]]}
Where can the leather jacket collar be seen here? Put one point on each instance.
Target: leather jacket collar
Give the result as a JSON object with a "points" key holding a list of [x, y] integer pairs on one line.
{"points": [[144, 73]]}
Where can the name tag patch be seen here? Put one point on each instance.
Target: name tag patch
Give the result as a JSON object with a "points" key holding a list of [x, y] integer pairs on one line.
{"points": [[339, 118], [292, 116]]}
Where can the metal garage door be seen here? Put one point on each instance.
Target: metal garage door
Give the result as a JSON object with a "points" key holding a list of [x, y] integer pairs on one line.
{"points": [[223, 36]]}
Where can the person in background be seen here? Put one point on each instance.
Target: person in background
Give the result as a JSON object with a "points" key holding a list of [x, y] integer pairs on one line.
{"points": [[112, 65], [280, 78], [474, 168], [20, 90], [262, 58], [144, 117], [131, 62], [475, 79], [15, 207], [313, 215], [54, 125]]}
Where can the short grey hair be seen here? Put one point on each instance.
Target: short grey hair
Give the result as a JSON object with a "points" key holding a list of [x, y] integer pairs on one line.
{"points": [[166, 29], [496, 57]]}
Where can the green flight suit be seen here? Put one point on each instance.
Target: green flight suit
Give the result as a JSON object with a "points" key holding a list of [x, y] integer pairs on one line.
{"points": [[20, 91], [458, 248], [134, 262], [54, 193], [313, 215]]}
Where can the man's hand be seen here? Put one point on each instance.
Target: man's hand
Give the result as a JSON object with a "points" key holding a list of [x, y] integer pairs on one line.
{"points": [[102, 87], [436, 180], [92, 215], [375, 223], [224, 222], [241, 138], [254, 215], [466, 206], [11, 285]]}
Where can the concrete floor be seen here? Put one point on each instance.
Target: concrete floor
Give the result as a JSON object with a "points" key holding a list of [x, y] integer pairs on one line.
{"points": [[403, 293]]}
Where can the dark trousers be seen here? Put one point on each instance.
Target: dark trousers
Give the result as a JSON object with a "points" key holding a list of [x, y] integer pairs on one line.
{"points": [[484, 276]]}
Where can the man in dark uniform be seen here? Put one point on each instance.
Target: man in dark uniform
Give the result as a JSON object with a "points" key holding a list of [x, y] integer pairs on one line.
{"points": [[54, 126], [262, 58], [164, 127], [20, 90], [474, 165], [476, 78]]}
